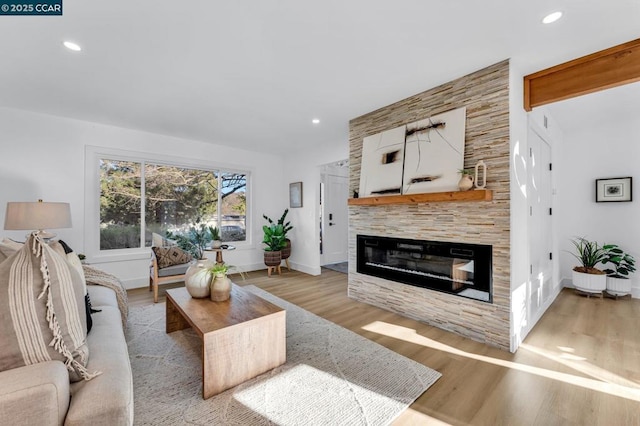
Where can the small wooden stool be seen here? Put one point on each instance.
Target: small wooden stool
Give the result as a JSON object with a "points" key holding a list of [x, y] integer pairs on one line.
{"points": [[273, 268]]}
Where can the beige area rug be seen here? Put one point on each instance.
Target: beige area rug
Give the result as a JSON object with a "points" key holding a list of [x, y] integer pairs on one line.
{"points": [[332, 377]]}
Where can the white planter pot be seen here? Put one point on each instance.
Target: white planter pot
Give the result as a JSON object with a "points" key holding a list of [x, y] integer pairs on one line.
{"points": [[618, 286], [589, 283]]}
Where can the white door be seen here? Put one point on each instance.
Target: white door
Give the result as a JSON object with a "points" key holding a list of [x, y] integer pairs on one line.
{"points": [[540, 228], [335, 216]]}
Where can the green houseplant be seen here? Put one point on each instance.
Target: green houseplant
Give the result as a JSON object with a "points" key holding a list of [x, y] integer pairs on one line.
{"points": [[195, 240], [587, 277], [220, 283], [274, 241], [286, 249], [623, 264]]}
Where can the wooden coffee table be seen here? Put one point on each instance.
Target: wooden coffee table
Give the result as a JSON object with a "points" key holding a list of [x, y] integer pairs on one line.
{"points": [[241, 337]]}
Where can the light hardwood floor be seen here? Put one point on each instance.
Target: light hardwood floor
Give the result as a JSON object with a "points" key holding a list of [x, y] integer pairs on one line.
{"points": [[579, 366]]}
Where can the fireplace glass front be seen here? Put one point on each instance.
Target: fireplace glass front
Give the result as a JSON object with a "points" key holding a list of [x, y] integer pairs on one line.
{"points": [[455, 268]]}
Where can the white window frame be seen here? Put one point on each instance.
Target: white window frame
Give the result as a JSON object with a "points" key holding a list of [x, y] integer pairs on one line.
{"points": [[93, 155]]}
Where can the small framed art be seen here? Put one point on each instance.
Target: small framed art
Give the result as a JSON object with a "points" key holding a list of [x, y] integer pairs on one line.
{"points": [[295, 194], [613, 189]]}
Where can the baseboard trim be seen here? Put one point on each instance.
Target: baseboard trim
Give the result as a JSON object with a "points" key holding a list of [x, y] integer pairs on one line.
{"points": [[310, 270]]}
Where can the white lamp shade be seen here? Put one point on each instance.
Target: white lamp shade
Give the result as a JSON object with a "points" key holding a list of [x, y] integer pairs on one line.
{"points": [[38, 215]]}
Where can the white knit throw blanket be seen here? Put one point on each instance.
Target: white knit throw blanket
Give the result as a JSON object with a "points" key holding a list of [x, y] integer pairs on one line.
{"points": [[97, 277]]}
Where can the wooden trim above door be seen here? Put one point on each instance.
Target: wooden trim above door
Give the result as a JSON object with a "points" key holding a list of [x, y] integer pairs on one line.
{"points": [[601, 70]]}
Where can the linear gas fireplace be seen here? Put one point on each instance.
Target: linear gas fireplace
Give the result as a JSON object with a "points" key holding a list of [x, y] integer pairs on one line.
{"points": [[456, 268]]}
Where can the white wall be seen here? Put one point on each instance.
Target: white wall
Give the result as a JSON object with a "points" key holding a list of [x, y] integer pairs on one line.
{"points": [[43, 157], [305, 167], [598, 150]]}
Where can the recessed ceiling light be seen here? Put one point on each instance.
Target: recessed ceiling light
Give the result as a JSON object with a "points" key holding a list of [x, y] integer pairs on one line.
{"points": [[316, 121], [552, 17], [72, 46]]}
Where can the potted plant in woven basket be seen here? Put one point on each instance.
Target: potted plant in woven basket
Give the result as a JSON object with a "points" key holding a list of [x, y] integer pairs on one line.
{"points": [[618, 282], [274, 242], [286, 250], [587, 277]]}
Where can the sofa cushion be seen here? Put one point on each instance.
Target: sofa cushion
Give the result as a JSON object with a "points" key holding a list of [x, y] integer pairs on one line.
{"points": [[37, 394], [40, 315], [169, 256], [174, 270], [8, 247], [107, 399]]}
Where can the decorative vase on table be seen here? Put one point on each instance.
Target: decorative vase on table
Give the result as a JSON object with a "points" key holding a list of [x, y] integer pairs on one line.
{"points": [[197, 279], [220, 288], [465, 183]]}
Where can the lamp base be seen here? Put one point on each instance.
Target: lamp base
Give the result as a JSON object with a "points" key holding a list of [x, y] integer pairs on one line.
{"points": [[45, 235]]}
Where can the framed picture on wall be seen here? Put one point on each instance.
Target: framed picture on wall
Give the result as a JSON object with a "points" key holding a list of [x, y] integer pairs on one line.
{"points": [[613, 189], [295, 194]]}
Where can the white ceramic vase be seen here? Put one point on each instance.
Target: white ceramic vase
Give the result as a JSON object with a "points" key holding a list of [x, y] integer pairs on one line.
{"points": [[589, 283], [618, 286], [197, 279], [465, 183]]}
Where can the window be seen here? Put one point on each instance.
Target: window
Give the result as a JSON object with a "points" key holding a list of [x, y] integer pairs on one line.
{"points": [[140, 197]]}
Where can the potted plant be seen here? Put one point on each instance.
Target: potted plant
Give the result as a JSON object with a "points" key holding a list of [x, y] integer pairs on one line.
{"points": [[274, 242], [466, 179], [216, 241], [587, 277], [220, 283], [618, 282], [286, 250]]}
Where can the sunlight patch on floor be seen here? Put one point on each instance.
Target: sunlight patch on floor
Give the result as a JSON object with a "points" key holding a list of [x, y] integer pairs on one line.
{"points": [[410, 335], [413, 417], [579, 363]]}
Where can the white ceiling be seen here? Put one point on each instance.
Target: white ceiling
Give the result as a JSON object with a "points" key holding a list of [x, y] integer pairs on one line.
{"points": [[253, 74]]}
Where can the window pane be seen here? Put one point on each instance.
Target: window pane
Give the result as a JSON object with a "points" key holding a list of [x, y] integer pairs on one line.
{"points": [[234, 206], [177, 198], [120, 197]]}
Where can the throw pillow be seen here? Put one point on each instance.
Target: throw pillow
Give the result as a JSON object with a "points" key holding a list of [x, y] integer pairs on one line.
{"points": [[169, 256], [74, 261], [40, 311], [158, 240], [8, 247]]}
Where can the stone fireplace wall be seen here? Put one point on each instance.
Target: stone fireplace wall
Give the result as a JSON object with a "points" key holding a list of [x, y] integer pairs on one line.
{"points": [[485, 94]]}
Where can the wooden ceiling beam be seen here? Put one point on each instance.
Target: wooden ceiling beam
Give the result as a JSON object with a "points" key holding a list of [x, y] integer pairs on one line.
{"points": [[601, 70]]}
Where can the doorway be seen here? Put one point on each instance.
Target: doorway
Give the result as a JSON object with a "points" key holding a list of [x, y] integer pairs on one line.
{"points": [[334, 213], [540, 283]]}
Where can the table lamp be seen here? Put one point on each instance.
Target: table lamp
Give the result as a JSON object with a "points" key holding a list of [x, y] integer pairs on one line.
{"points": [[39, 215]]}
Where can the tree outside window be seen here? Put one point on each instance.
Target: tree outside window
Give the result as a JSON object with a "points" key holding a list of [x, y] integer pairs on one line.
{"points": [[174, 199]]}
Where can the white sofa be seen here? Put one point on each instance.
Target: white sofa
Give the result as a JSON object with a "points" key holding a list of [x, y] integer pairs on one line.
{"points": [[40, 394]]}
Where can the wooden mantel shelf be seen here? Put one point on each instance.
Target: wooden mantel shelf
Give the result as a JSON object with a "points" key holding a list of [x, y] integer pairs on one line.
{"points": [[433, 197]]}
